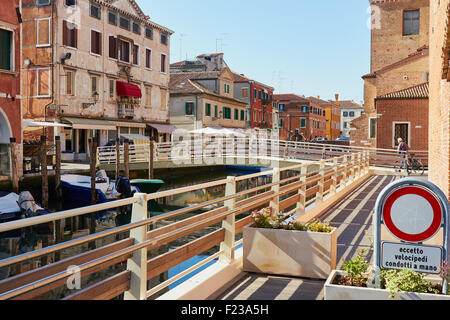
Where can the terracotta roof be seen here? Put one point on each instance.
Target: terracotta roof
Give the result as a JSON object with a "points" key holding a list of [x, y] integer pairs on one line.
{"points": [[184, 82], [319, 101], [349, 104], [240, 78], [416, 92], [288, 97]]}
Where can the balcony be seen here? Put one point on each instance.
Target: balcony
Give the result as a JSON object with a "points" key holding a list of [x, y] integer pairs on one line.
{"points": [[126, 111]]}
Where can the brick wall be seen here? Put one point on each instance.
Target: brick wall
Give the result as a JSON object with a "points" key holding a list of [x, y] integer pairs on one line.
{"points": [[439, 126], [413, 111]]}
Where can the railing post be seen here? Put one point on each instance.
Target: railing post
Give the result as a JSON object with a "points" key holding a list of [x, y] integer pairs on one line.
{"points": [[344, 173], [229, 224], [334, 177], [367, 161], [321, 182], [352, 170], [359, 173], [137, 264], [275, 202], [301, 204]]}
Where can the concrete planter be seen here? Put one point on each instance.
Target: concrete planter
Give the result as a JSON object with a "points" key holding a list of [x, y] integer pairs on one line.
{"points": [[340, 292], [290, 253]]}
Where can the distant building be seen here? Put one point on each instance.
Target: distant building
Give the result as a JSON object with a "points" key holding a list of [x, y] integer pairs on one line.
{"points": [[350, 110], [10, 76], [399, 58], [259, 98], [439, 95], [300, 118], [205, 99], [332, 116]]}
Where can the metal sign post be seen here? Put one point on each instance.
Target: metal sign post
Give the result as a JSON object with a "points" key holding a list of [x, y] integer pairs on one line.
{"points": [[413, 210]]}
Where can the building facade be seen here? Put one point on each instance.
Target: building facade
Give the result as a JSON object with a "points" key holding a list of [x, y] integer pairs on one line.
{"points": [[205, 99], [350, 110], [399, 58], [332, 116], [299, 118], [259, 98], [99, 67], [10, 97], [439, 115]]}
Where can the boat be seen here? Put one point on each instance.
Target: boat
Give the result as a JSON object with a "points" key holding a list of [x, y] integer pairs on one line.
{"points": [[147, 186]]}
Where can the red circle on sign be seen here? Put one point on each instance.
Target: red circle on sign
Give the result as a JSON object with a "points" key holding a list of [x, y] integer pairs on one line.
{"points": [[421, 237]]}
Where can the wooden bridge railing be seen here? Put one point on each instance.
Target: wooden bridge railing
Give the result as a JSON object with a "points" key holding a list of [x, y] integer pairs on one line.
{"points": [[249, 148], [288, 190]]}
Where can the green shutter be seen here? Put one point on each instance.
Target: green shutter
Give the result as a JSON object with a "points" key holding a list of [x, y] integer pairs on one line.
{"points": [[187, 108], [5, 50], [215, 111]]}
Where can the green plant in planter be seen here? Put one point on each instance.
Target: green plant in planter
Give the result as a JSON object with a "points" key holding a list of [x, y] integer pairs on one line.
{"points": [[317, 226], [357, 268], [407, 281]]}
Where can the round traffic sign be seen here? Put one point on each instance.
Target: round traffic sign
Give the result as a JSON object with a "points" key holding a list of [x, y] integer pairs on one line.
{"points": [[412, 214]]}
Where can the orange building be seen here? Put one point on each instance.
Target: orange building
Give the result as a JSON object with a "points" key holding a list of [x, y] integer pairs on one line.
{"points": [[332, 116]]}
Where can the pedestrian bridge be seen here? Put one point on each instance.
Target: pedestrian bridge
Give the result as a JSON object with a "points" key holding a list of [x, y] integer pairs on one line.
{"points": [[127, 259]]}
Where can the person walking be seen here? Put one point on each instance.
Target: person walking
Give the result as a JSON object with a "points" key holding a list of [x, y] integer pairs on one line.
{"points": [[403, 149]]}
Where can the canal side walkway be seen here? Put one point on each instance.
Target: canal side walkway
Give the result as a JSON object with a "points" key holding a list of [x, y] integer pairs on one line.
{"points": [[353, 218]]}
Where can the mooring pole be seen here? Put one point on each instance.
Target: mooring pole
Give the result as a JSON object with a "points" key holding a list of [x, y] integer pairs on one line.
{"points": [[117, 158], [44, 172], [126, 145], [14, 165]]}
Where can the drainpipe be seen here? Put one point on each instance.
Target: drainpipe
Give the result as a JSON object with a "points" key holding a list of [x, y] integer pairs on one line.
{"points": [[52, 66]]}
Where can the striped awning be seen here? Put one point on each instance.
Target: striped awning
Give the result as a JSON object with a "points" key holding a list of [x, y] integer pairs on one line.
{"points": [[90, 124]]}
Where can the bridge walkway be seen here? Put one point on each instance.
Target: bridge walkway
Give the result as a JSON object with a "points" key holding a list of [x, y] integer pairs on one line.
{"points": [[353, 218]]}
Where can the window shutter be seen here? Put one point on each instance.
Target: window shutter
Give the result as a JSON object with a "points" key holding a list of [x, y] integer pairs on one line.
{"points": [[65, 33], [187, 108], [75, 37]]}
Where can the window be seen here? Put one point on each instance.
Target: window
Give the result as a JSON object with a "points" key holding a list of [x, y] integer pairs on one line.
{"points": [[112, 18], [43, 32], [305, 109], [189, 108], [227, 113], [148, 58], [149, 33], [42, 2], [136, 27], [112, 88], [135, 54], [282, 107], [236, 114], [70, 81], [351, 114], [303, 123], [216, 111], [372, 128], [226, 88], [411, 22], [43, 82], [124, 51], [259, 94], [95, 11], [70, 34], [281, 123], [208, 110], [96, 42], [345, 113], [255, 93], [345, 125], [242, 115], [94, 85], [164, 38], [148, 96], [124, 23], [163, 62], [244, 92], [6, 50], [113, 47]]}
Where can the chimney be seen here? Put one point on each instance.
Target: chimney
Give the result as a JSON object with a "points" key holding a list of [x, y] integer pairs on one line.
{"points": [[337, 97], [318, 97]]}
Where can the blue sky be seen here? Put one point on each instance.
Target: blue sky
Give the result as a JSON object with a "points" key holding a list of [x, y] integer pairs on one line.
{"points": [[310, 47]]}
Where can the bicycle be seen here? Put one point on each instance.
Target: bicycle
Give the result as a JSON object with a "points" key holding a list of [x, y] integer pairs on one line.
{"points": [[414, 165]]}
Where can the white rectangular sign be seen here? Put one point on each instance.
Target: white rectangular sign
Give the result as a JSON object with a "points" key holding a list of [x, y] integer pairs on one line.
{"points": [[424, 259]]}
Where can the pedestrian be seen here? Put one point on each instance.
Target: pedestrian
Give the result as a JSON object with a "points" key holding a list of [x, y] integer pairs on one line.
{"points": [[403, 151]]}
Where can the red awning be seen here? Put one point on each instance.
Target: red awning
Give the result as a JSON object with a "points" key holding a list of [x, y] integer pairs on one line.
{"points": [[128, 90]]}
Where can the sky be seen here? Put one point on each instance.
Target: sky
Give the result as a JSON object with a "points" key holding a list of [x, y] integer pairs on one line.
{"points": [[308, 47]]}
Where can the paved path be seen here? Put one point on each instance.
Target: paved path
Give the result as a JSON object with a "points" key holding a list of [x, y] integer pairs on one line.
{"points": [[353, 218]]}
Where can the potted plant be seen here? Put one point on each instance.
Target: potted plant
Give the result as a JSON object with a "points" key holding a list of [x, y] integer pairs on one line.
{"points": [[354, 282], [272, 245]]}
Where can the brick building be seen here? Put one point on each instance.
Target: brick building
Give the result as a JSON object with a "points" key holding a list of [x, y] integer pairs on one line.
{"points": [[439, 125], [259, 98], [399, 58], [100, 67], [10, 98], [300, 118], [404, 115], [332, 115]]}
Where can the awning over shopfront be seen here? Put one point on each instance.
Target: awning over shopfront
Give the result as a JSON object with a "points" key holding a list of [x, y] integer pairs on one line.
{"points": [[37, 124], [129, 124], [134, 137], [163, 128], [90, 124], [128, 90]]}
